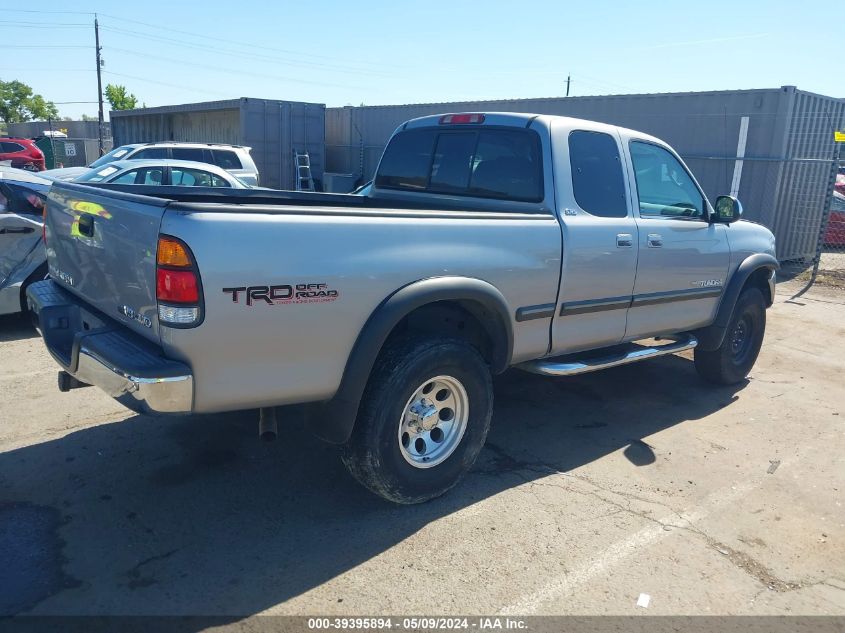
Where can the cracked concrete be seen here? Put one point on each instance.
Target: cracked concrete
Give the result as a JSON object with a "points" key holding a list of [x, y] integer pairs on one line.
{"points": [[590, 491]]}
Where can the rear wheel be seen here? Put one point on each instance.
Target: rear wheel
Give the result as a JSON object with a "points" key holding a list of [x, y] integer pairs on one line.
{"points": [[423, 419], [731, 362]]}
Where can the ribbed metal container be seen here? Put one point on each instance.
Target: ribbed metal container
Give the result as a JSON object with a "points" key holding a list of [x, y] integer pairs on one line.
{"points": [[74, 129], [273, 129], [787, 158]]}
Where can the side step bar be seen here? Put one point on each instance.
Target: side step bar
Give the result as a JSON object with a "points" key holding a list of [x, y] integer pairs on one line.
{"points": [[571, 365]]}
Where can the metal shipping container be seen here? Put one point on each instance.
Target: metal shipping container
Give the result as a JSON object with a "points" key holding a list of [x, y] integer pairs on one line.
{"points": [[273, 129], [784, 137], [74, 129]]}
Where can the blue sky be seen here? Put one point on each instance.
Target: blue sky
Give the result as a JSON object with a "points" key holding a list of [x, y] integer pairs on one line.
{"points": [[381, 52]]}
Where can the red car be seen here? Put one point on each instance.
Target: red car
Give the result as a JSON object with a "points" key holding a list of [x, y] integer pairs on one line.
{"points": [[835, 234], [23, 153]]}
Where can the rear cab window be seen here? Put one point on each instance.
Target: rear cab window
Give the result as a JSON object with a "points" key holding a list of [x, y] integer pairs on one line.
{"points": [[493, 162]]}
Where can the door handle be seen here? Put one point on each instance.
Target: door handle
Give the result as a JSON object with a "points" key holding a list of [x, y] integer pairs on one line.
{"points": [[16, 229], [624, 240], [655, 240], [86, 225]]}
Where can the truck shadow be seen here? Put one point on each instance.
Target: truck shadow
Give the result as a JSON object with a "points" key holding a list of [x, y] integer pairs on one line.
{"points": [[16, 327], [196, 516]]}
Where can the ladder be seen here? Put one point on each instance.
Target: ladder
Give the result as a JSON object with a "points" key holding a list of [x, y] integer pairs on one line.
{"points": [[302, 167]]}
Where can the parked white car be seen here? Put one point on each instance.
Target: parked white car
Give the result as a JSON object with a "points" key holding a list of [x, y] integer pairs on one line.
{"points": [[235, 159], [158, 173]]}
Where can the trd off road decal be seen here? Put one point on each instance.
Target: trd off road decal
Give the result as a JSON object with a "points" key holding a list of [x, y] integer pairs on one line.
{"points": [[282, 294]]}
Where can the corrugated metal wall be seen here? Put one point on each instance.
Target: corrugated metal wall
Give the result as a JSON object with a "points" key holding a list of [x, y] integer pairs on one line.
{"points": [[74, 129], [784, 125], [802, 186], [273, 129], [218, 122]]}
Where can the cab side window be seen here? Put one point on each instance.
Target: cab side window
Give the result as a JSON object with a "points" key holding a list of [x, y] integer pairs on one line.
{"points": [[597, 178], [664, 187]]}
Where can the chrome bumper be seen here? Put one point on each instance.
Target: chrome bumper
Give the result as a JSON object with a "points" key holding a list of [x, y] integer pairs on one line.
{"points": [[95, 350], [170, 394]]}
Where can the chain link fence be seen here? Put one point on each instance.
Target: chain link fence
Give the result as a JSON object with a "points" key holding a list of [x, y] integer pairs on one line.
{"points": [[829, 269]]}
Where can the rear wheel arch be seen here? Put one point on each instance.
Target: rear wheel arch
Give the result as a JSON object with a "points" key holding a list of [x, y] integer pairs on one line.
{"points": [[469, 308]]}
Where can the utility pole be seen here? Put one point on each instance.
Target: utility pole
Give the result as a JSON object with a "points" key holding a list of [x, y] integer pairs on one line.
{"points": [[568, 79], [99, 84]]}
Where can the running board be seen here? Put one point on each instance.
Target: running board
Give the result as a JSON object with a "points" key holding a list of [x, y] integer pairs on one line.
{"points": [[571, 365]]}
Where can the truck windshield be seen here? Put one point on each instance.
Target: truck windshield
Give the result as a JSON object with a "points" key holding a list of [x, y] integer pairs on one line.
{"points": [[116, 154], [484, 163]]}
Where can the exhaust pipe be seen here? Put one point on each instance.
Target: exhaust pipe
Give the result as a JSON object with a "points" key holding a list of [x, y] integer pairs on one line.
{"points": [[268, 427], [68, 382]]}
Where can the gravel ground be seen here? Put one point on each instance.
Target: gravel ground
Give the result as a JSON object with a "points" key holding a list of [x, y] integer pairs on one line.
{"points": [[591, 491]]}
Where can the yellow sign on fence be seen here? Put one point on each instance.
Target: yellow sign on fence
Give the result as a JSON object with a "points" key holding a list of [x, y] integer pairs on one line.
{"points": [[839, 137]]}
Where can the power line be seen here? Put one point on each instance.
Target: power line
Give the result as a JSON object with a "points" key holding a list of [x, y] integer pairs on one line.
{"points": [[217, 40], [44, 25], [162, 83], [244, 55], [232, 71], [53, 69], [48, 12], [41, 46]]}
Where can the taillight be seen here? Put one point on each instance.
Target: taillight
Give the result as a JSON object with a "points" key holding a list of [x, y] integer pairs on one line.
{"points": [[448, 119], [178, 289], [177, 286]]}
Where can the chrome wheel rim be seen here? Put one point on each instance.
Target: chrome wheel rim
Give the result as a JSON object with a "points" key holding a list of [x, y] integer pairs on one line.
{"points": [[433, 422]]}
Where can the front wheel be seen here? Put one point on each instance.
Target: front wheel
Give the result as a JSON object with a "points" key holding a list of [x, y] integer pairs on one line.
{"points": [[732, 361], [423, 419]]}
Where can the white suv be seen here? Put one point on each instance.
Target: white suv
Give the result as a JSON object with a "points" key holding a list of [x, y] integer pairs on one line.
{"points": [[233, 158]]}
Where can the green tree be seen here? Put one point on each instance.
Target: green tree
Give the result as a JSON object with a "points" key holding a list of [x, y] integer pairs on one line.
{"points": [[19, 103], [119, 98], [86, 117]]}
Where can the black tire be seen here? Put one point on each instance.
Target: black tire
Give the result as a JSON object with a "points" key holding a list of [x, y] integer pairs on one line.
{"points": [[373, 454], [731, 362], [39, 274]]}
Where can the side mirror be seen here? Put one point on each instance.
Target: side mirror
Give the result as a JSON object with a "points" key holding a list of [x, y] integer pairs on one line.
{"points": [[728, 210]]}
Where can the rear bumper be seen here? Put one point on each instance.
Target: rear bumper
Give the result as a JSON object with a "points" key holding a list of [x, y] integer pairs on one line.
{"points": [[97, 351]]}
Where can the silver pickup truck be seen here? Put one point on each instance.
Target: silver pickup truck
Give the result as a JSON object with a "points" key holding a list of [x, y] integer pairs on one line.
{"points": [[487, 241]]}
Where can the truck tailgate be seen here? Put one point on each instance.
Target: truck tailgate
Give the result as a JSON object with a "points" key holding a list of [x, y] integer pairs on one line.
{"points": [[101, 246]]}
